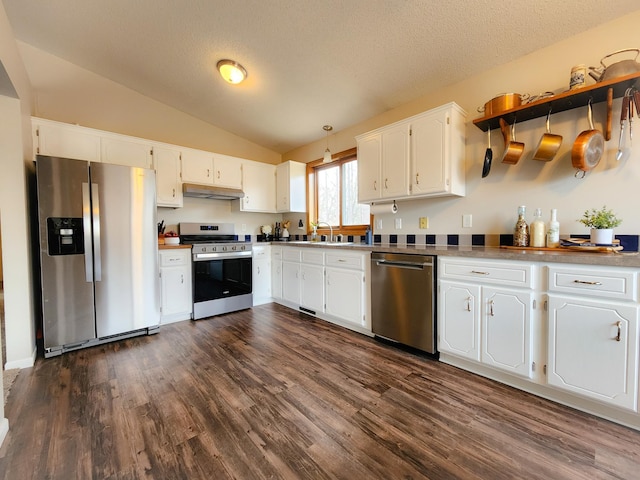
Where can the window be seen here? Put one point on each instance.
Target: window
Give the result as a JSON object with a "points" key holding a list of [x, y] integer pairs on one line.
{"points": [[333, 195]]}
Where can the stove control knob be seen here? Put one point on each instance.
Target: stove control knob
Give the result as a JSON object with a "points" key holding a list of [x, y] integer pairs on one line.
{"points": [[233, 248]]}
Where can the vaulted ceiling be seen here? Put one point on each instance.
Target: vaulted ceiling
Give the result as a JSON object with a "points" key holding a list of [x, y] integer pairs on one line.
{"points": [[310, 62]]}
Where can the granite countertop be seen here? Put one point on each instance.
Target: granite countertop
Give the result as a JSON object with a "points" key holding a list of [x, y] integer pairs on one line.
{"points": [[621, 259]]}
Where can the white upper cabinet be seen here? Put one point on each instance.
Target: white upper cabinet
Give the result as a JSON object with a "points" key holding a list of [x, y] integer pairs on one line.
{"points": [[63, 140], [168, 186], [291, 190], [123, 150], [259, 187], [197, 166], [227, 171], [420, 156]]}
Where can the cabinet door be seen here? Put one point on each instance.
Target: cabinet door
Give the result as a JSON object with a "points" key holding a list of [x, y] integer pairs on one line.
{"points": [[176, 290], [312, 287], [261, 280], [122, 150], [506, 330], [459, 319], [168, 185], [395, 161], [227, 171], [428, 149], [369, 162], [291, 282], [259, 186], [345, 295], [68, 141], [291, 190], [197, 166], [593, 349], [276, 279]]}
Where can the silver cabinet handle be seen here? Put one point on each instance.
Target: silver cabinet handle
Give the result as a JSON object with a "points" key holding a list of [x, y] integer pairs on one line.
{"points": [[491, 308], [385, 184], [479, 273], [375, 185], [417, 179], [258, 269], [174, 193], [468, 304], [208, 173], [618, 324], [182, 278], [587, 283], [218, 174]]}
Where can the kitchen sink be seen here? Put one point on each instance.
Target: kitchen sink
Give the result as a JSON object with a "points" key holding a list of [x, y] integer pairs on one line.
{"points": [[307, 242]]}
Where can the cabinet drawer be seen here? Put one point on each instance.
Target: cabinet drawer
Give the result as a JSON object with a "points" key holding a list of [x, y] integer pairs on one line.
{"points": [[345, 260], [169, 259], [313, 256], [503, 273], [617, 284], [260, 252], [291, 254]]}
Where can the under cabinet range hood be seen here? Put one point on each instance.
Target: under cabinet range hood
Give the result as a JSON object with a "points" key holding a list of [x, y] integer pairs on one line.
{"points": [[211, 191]]}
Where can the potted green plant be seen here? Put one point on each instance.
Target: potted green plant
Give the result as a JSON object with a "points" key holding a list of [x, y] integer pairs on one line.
{"points": [[601, 222]]}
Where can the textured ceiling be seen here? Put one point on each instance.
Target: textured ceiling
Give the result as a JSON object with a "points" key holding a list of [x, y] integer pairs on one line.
{"points": [[310, 62]]}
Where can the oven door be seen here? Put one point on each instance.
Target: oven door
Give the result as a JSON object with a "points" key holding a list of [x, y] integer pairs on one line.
{"points": [[221, 283]]}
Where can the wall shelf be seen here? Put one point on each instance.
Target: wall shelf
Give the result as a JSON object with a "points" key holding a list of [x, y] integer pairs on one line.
{"points": [[561, 102]]}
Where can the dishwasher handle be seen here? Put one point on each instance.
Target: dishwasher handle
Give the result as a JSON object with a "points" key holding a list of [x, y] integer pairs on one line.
{"points": [[399, 264]]}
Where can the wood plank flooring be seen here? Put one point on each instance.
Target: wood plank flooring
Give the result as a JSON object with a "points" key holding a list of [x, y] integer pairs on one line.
{"points": [[269, 393]]}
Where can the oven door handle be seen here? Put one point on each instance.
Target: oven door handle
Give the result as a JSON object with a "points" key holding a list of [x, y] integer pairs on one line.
{"points": [[199, 257]]}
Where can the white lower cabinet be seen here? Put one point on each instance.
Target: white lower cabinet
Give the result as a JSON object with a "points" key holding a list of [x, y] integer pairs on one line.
{"points": [[481, 320], [261, 275], [593, 334], [175, 285], [276, 272], [331, 284]]}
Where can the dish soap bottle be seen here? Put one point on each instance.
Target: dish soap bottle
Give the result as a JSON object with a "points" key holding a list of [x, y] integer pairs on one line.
{"points": [[553, 234], [537, 232], [521, 231]]}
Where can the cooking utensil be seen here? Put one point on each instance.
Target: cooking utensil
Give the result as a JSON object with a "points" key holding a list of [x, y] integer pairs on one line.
{"points": [[512, 149], [624, 113], [587, 148], [607, 132], [631, 108], [488, 156], [504, 101], [618, 69], [548, 145]]}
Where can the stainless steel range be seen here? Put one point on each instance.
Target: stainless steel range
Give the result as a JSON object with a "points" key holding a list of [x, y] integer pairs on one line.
{"points": [[221, 268]]}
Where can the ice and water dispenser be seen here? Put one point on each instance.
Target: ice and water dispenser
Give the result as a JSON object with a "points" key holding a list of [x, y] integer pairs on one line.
{"points": [[65, 236]]}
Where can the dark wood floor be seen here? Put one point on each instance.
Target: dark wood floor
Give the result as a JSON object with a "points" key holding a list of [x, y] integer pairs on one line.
{"points": [[270, 393]]}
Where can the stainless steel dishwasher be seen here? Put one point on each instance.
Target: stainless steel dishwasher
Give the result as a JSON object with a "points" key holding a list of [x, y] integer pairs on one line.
{"points": [[403, 299]]}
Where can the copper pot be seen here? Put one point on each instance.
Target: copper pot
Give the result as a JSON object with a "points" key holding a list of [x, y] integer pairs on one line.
{"points": [[512, 150], [549, 144], [587, 149], [502, 102]]}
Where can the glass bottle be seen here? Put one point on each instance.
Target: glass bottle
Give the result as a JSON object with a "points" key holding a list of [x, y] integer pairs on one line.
{"points": [[537, 233], [521, 231], [553, 234]]}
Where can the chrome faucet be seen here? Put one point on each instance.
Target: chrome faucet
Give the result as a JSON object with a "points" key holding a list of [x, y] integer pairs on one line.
{"points": [[330, 229]]}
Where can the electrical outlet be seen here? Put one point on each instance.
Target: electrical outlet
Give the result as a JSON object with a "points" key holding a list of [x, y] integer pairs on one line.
{"points": [[379, 225], [398, 223], [424, 222], [467, 220]]}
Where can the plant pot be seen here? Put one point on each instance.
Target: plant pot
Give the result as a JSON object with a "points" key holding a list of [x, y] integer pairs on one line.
{"points": [[602, 236]]}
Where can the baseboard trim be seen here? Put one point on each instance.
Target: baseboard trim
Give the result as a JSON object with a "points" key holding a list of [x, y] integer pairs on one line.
{"points": [[4, 429], [23, 362]]}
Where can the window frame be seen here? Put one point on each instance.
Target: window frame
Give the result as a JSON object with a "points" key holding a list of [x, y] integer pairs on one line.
{"points": [[337, 159]]}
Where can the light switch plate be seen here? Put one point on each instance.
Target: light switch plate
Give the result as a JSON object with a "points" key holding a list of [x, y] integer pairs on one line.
{"points": [[398, 223], [467, 220], [379, 225], [424, 222]]}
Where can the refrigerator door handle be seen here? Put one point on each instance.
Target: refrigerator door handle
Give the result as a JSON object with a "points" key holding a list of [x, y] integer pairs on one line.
{"points": [[86, 226], [95, 204]]}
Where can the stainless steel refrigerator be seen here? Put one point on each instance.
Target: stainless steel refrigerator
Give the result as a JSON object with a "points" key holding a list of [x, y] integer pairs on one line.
{"points": [[98, 252]]}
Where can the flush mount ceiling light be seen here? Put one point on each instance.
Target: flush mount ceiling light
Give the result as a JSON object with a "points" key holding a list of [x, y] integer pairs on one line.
{"points": [[327, 152], [232, 71]]}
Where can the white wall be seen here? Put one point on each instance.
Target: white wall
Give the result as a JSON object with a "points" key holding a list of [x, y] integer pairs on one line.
{"points": [[493, 201]]}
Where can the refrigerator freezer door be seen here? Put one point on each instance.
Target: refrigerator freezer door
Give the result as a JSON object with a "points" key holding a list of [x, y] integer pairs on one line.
{"points": [[67, 296], [127, 294]]}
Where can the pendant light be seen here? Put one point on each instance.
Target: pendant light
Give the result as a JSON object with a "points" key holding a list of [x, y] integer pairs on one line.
{"points": [[327, 152], [232, 71]]}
